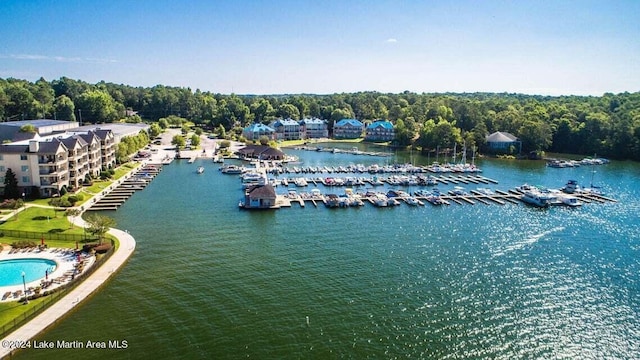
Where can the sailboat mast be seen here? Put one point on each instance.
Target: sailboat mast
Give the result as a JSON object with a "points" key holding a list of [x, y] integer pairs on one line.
{"points": [[464, 152], [455, 144]]}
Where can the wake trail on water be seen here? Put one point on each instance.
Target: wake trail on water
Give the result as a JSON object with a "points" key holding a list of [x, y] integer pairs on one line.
{"points": [[528, 241]]}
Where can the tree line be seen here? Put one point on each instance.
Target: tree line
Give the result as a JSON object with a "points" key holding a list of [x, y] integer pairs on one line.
{"points": [[608, 125]]}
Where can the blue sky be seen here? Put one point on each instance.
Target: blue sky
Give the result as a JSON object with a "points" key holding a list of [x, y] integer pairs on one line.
{"points": [[283, 47]]}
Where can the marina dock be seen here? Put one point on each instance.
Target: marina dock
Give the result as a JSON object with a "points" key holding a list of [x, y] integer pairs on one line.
{"points": [[122, 190], [512, 196]]}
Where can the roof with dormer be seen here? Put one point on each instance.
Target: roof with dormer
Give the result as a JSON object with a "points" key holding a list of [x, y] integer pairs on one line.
{"points": [[500, 136], [258, 127], [381, 124], [352, 122], [285, 122], [312, 121]]}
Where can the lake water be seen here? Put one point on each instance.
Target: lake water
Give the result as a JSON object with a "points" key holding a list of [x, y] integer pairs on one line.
{"points": [[209, 281]]}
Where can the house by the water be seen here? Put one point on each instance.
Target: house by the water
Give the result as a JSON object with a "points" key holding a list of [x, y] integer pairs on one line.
{"points": [[348, 129], [259, 197], [380, 130], [260, 152], [501, 142]]}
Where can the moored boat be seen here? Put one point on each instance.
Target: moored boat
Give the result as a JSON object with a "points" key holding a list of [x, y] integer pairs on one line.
{"points": [[231, 169], [536, 198]]}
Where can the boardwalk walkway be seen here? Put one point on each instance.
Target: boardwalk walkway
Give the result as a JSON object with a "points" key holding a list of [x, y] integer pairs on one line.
{"points": [[81, 292]]}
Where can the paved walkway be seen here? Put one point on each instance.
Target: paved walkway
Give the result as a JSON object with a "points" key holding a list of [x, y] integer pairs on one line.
{"points": [[87, 287]]}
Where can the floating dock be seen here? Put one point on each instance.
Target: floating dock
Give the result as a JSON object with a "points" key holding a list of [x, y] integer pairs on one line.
{"points": [[120, 192]]}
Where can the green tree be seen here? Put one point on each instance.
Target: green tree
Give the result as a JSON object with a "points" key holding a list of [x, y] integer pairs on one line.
{"points": [[28, 128], [97, 107], [11, 190], [44, 95], [72, 213], [288, 111], [64, 108], [178, 141], [155, 130], [21, 102], [535, 136], [195, 140], [56, 203], [263, 111], [163, 123], [222, 133], [403, 134], [98, 225]]}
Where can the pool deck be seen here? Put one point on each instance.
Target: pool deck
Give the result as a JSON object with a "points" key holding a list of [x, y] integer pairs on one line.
{"points": [[82, 291], [65, 260]]}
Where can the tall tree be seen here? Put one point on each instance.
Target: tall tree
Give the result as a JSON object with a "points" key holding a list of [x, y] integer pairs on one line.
{"points": [[11, 190], [98, 225], [64, 108], [97, 107]]}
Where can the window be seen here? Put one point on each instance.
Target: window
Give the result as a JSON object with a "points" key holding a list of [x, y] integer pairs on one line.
{"points": [[23, 157], [1, 157], [25, 168], [2, 169], [26, 180]]}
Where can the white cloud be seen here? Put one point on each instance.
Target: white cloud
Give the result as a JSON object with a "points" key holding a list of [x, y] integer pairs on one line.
{"points": [[37, 57], [391, 40]]}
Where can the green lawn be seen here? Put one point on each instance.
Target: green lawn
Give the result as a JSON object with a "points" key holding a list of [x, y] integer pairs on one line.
{"points": [[37, 219], [289, 143], [96, 187], [15, 309], [41, 220]]}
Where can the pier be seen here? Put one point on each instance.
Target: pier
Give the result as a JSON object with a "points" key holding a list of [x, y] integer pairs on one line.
{"points": [[512, 196], [122, 190]]}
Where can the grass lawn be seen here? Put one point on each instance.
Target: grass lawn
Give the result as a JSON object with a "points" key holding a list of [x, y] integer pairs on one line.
{"points": [[288, 143], [41, 220], [96, 187], [37, 219], [14, 309]]}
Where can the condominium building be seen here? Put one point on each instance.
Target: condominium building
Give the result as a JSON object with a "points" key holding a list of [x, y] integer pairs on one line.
{"points": [[41, 165], [380, 130], [314, 128], [287, 129], [60, 161], [348, 129]]}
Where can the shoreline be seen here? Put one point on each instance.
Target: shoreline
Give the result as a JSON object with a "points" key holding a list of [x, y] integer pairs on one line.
{"points": [[64, 306]]}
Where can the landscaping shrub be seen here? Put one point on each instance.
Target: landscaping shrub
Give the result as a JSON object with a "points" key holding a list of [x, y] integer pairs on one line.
{"points": [[23, 244]]}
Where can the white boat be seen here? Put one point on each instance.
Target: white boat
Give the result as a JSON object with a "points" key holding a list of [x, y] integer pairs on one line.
{"points": [[431, 181], [571, 187], [536, 198], [380, 200], [413, 201], [301, 182], [200, 170], [571, 201], [434, 198], [231, 169], [459, 191], [485, 191], [251, 178]]}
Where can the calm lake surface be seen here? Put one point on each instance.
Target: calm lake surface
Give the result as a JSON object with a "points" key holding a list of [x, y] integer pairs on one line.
{"points": [[208, 281]]}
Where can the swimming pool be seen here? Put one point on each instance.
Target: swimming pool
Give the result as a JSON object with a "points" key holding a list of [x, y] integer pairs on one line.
{"points": [[34, 269]]}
